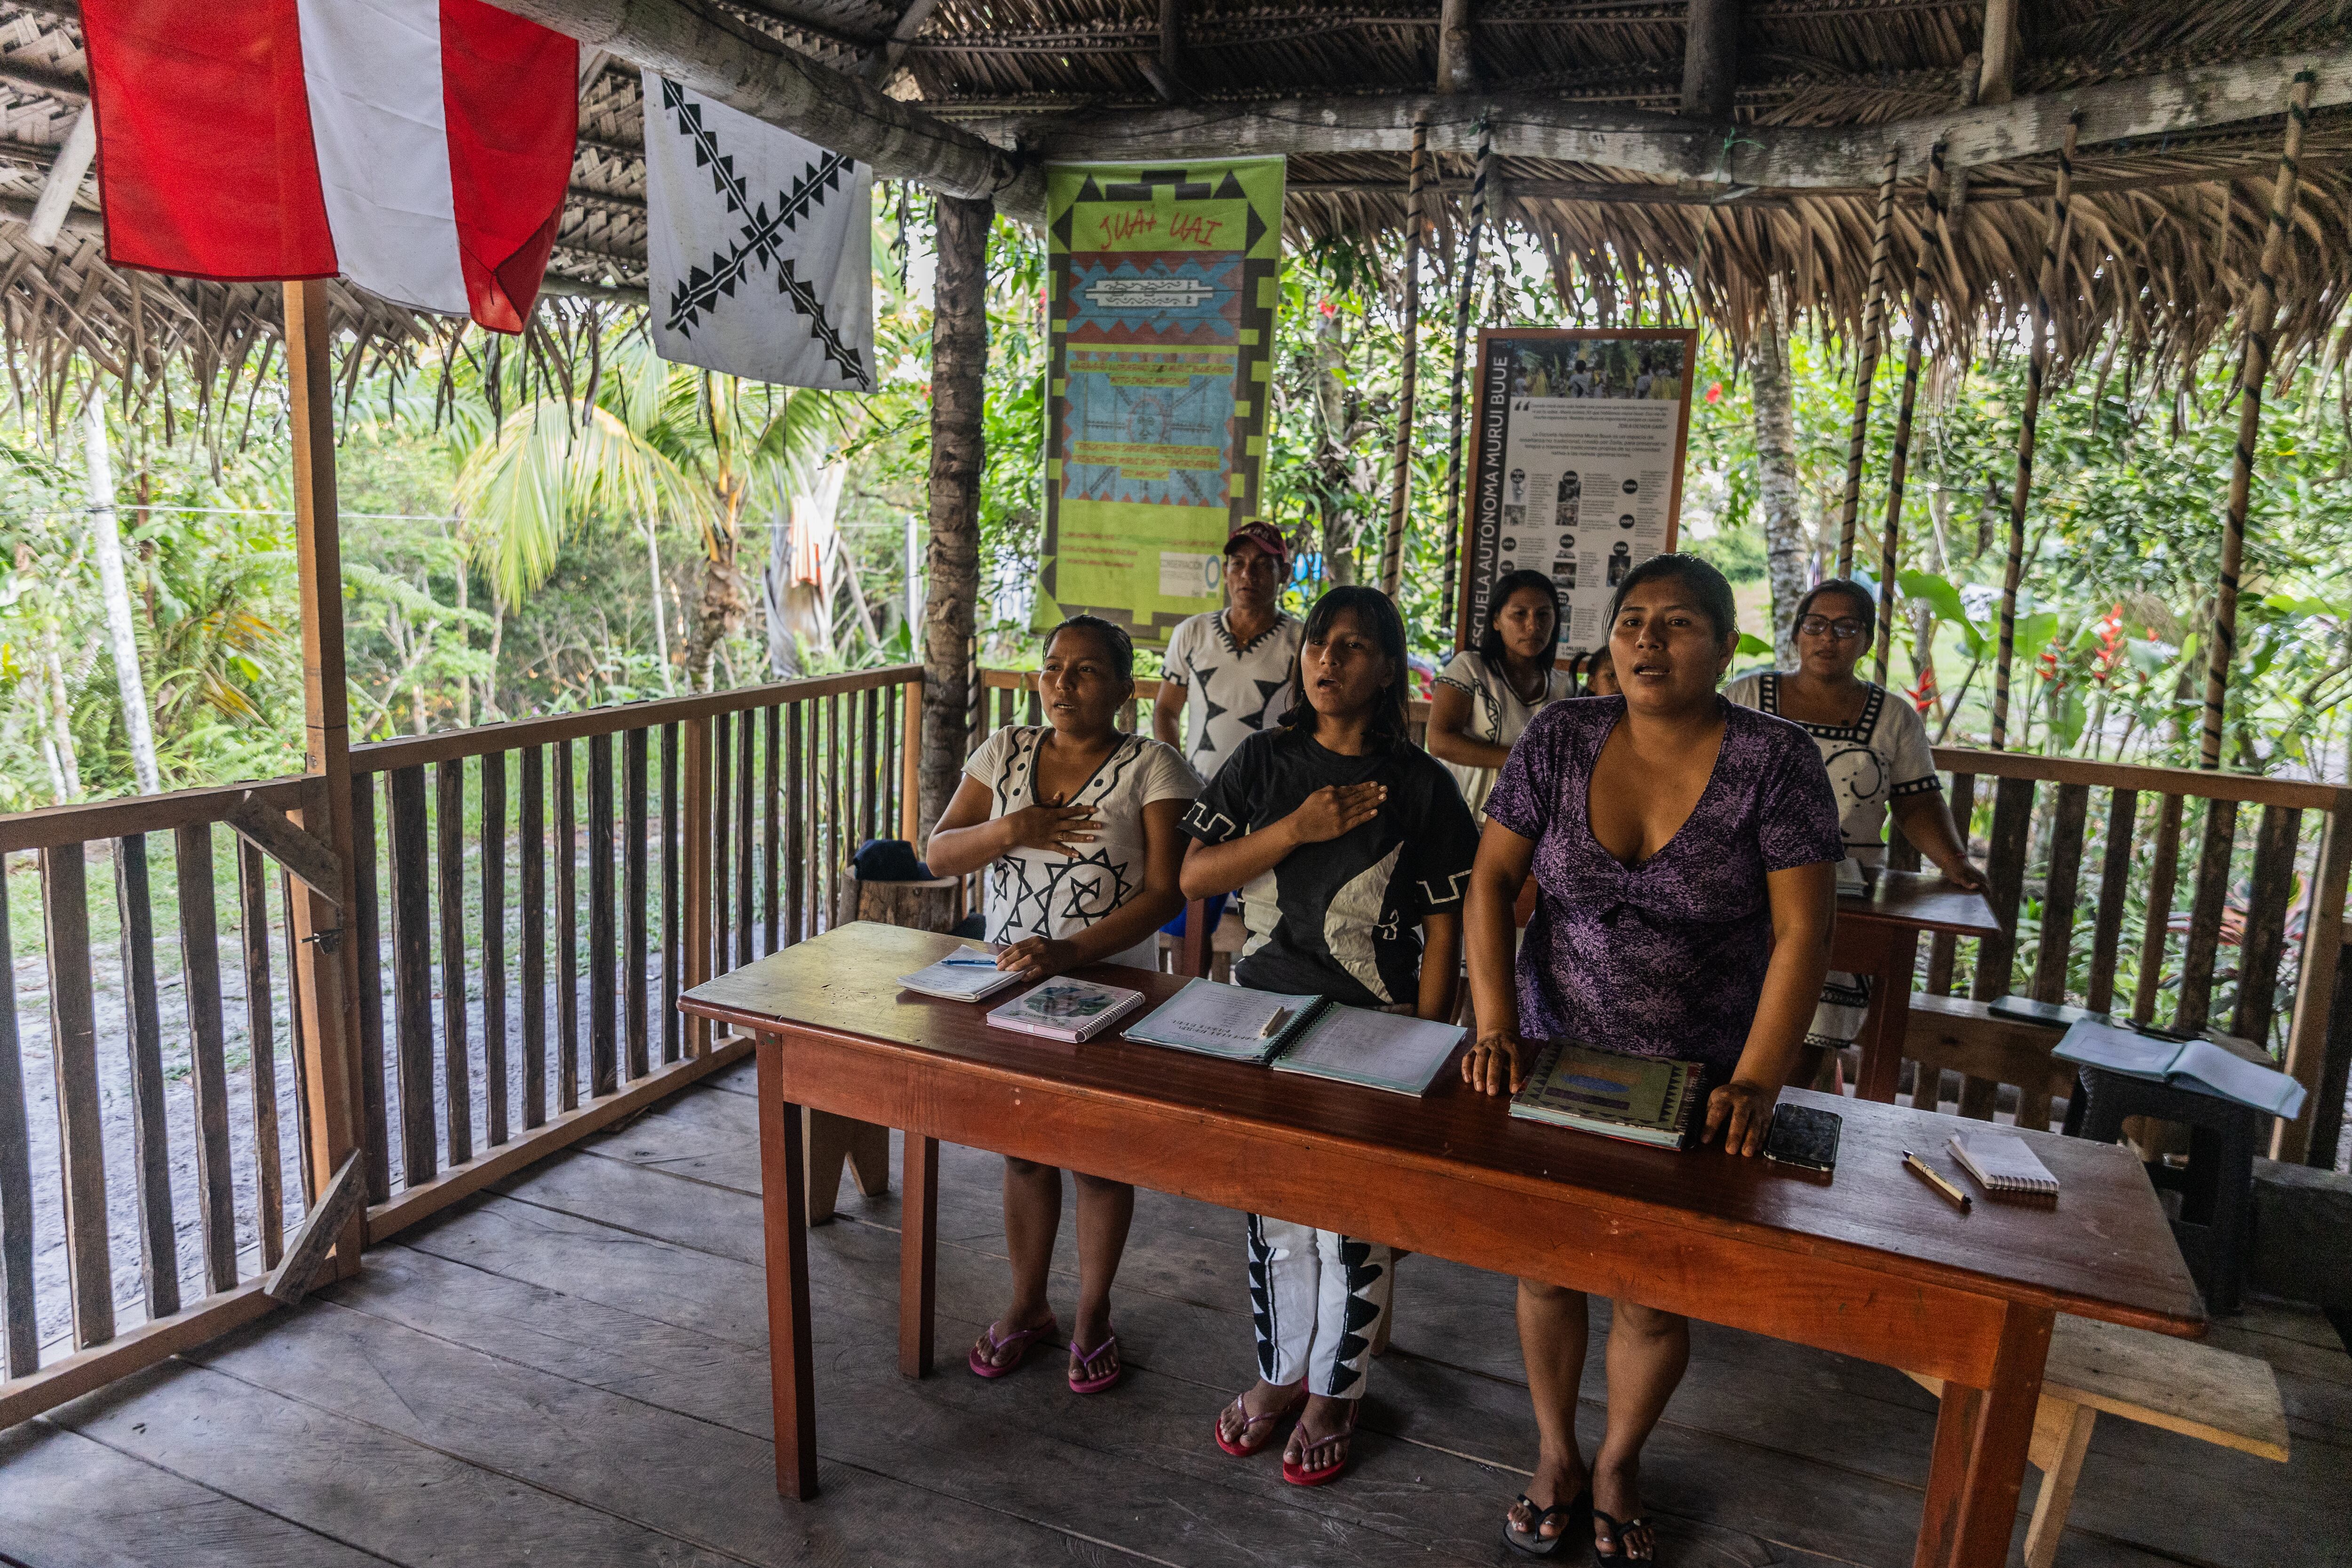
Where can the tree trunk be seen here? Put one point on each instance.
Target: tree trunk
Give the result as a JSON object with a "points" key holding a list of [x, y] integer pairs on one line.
{"points": [[661, 624], [107, 539], [724, 606], [958, 360], [57, 742], [1775, 461], [1334, 464], [465, 641]]}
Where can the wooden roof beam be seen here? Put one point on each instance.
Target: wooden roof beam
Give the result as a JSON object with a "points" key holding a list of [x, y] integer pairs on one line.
{"points": [[746, 71], [1711, 59], [1789, 158]]}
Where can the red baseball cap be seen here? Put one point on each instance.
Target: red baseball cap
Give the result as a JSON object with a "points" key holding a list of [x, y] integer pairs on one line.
{"points": [[1265, 536]]}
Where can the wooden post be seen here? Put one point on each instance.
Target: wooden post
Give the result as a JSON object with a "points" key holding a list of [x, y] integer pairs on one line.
{"points": [[2260, 318], [327, 984], [911, 756], [1711, 59], [1479, 197], [1453, 69], [1874, 335], [2315, 989], [693, 833], [1995, 79], [1901, 460], [2049, 279], [958, 360], [1401, 488]]}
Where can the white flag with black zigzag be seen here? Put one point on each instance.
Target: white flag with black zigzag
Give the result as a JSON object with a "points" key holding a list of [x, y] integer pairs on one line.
{"points": [[758, 245]]}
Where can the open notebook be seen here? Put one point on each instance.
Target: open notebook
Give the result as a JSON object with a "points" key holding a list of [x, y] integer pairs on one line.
{"points": [[1378, 1050], [2198, 1065], [1233, 1022], [967, 974]]}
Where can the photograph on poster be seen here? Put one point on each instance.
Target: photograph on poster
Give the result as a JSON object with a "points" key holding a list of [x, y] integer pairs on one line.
{"points": [[1576, 464]]}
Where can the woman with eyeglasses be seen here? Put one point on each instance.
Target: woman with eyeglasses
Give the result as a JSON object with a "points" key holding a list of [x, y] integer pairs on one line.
{"points": [[1879, 761]]}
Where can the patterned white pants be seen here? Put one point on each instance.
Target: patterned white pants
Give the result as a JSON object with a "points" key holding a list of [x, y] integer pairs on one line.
{"points": [[1316, 1299]]}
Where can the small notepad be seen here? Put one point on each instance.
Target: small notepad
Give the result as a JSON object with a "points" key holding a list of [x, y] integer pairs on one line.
{"points": [[2003, 1163]]}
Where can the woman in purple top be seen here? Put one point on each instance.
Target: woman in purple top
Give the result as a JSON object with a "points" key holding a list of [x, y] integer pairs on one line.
{"points": [[1684, 855]]}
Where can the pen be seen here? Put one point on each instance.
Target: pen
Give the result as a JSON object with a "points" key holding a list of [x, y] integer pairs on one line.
{"points": [[1281, 1017], [1936, 1181], [969, 962]]}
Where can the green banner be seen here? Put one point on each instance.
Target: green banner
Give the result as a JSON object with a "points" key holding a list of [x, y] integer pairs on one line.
{"points": [[1161, 284]]}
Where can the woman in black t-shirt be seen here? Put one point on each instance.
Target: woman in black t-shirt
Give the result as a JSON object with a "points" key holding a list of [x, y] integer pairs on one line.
{"points": [[1352, 848]]}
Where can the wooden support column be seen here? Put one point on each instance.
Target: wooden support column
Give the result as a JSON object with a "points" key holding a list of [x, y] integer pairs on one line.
{"points": [[2316, 988], [1400, 484], [1166, 74], [1453, 75], [959, 359], [327, 987], [1711, 59], [2049, 280], [1996, 79], [1873, 337], [2260, 317], [1454, 72], [1899, 462]]}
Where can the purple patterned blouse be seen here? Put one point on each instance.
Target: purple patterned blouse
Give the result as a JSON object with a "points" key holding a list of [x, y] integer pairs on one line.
{"points": [[1665, 958]]}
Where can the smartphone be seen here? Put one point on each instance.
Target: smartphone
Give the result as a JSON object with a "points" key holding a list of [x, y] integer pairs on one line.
{"points": [[2057, 1014], [1804, 1136]]}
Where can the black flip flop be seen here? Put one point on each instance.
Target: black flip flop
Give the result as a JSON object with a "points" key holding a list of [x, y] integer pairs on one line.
{"points": [[1617, 1533], [1569, 1513]]}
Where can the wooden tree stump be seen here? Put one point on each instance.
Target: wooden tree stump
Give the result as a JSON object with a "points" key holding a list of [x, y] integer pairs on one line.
{"points": [[828, 1139]]}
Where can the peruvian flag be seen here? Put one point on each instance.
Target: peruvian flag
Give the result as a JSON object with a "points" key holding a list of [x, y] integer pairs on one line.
{"points": [[420, 148]]}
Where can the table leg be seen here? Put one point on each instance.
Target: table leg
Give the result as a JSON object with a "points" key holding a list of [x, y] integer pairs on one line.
{"points": [[783, 1202], [1890, 1015], [1981, 1439], [918, 1253]]}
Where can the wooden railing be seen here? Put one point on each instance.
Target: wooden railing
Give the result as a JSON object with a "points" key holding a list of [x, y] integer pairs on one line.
{"points": [[530, 899]]}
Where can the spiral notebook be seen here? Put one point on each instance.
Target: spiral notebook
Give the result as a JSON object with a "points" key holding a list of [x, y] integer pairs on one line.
{"points": [[2002, 1163]]}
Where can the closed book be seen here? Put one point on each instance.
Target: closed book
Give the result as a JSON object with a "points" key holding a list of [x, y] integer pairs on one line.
{"points": [[1375, 1050], [1232, 1023], [967, 974], [2002, 1163], [1642, 1100], [1066, 1009]]}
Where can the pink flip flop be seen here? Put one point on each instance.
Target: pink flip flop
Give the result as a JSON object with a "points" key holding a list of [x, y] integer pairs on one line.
{"points": [[1083, 1361], [1246, 1446], [1021, 1341], [1298, 1476]]}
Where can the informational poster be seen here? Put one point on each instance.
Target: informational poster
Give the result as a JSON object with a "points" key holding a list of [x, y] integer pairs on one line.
{"points": [[1161, 294], [1576, 465]]}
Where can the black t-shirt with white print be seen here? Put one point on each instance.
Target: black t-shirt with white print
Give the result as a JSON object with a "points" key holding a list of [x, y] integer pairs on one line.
{"points": [[1341, 919]]}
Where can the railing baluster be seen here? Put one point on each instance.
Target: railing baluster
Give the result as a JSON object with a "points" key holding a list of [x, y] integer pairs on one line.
{"points": [[635, 914], [268, 1169], [2161, 878], [494, 943], [771, 802], [2265, 936], [669, 900], [295, 1039], [603, 958], [411, 976], [723, 823], [796, 866], [833, 849], [1943, 949], [869, 782], [746, 783], [2115, 886], [20, 1345], [456, 1066], [159, 1250], [694, 842], [200, 988], [530, 838], [73, 1046], [2060, 893], [567, 908], [2207, 906], [375, 1136]]}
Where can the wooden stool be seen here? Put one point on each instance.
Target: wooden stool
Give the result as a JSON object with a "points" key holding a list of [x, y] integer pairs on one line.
{"points": [[2216, 1227]]}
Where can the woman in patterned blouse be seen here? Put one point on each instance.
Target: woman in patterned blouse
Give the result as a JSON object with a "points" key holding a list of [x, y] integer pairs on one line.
{"points": [[1685, 856]]}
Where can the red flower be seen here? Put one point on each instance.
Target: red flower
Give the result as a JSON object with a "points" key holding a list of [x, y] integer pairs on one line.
{"points": [[1714, 392], [1327, 308]]}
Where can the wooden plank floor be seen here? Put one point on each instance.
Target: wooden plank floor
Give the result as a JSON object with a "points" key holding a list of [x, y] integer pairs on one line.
{"points": [[572, 1371]]}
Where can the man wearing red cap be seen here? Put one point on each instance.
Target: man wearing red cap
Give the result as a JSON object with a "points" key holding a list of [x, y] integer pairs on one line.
{"points": [[1238, 659]]}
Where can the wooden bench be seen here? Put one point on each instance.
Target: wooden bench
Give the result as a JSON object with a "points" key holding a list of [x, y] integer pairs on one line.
{"points": [[2181, 1385]]}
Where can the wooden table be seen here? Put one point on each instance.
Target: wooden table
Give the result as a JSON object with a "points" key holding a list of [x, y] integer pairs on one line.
{"points": [[1877, 934], [1874, 1265]]}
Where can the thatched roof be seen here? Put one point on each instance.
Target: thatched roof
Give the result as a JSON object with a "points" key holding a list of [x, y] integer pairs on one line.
{"points": [[2164, 240]]}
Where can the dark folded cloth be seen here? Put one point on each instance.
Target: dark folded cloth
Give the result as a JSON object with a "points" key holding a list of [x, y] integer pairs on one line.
{"points": [[888, 860]]}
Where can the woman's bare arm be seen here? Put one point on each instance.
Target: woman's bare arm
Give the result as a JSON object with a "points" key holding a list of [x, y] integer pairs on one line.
{"points": [[1925, 819], [1496, 1064], [967, 837], [1335, 809], [1034, 958], [1804, 907], [1449, 731], [1441, 962]]}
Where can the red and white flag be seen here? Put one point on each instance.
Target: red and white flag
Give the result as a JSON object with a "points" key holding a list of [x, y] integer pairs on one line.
{"points": [[420, 148]]}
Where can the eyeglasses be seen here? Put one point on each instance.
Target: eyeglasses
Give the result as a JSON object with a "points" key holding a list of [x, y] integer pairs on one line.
{"points": [[1845, 629]]}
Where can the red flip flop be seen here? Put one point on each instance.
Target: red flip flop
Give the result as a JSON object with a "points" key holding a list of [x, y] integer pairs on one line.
{"points": [[1083, 1362], [1244, 1448], [1021, 1341], [1298, 1477]]}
